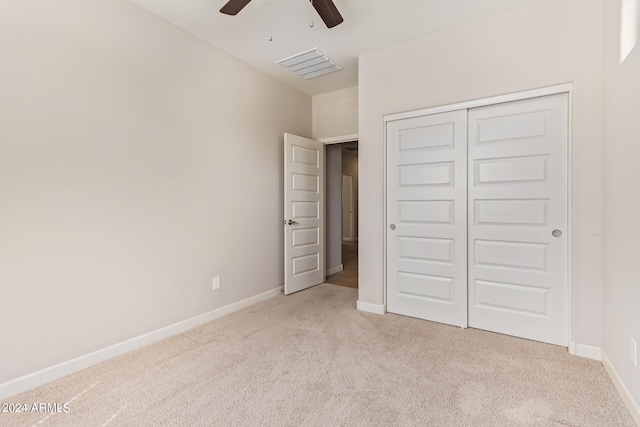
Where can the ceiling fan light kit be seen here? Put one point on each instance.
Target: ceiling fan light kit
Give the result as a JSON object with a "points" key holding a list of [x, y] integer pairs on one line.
{"points": [[325, 8]]}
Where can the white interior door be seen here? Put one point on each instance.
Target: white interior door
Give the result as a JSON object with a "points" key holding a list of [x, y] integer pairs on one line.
{"points": [[304, 213], [427, 217], [518, 218], [347, 209]]}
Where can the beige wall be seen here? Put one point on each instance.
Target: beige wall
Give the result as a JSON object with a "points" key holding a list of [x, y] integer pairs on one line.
{"points": [[136, 162], [621, 203], [546, 43], [335, 113]]}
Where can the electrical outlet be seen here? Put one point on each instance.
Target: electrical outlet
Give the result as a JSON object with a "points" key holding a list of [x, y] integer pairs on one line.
{"points": [[216, 283], [633, 353]]}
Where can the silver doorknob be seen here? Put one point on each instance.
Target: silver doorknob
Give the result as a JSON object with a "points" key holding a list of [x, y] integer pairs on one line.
{"points": [[291, 222], [392, 226], [556, 233]]}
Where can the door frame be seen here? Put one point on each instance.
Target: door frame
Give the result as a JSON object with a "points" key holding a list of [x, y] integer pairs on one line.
{"points": [[329, 141], [515, 96]]}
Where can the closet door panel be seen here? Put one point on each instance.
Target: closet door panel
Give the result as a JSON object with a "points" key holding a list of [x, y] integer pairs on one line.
{"points": [[427, 217], [517, 196]]}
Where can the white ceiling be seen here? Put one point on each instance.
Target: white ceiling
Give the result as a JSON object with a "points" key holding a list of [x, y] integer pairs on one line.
{"points": [[369, 25]]}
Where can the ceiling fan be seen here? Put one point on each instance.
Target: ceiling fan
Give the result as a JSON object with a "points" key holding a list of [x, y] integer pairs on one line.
{"points": [[325, 8]]}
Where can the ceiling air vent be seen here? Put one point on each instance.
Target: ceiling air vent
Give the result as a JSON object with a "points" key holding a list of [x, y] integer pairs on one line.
{"points": [[310, 64]]}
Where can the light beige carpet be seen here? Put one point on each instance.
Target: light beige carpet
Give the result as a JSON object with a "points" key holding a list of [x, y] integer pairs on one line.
{"points": [[311, 359]]}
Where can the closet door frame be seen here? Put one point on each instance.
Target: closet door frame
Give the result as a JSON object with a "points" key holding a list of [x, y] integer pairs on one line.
{"points": [[516, 96]]}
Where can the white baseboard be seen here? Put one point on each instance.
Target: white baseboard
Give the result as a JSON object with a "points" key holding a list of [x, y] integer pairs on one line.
{"points": [[43, 376], [587, 351], [335, 270], [628, 400], [371, 308]]}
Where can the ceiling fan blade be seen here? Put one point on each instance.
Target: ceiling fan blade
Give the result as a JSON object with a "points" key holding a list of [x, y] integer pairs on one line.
{"points": [[328, 12], [234, 6]]}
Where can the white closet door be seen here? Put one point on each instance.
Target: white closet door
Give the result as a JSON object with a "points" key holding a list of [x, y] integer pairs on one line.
{"points": [[518, 218], [426, 217]]}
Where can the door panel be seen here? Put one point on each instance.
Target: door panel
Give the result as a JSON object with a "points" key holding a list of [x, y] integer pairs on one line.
{"points": [[510, 296], [529, 212], [426, 217], [518, 194], [304, 208], [511, 170], [516, 255]]}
